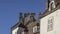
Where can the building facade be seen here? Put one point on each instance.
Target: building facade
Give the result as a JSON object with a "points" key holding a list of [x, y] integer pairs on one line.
{"points": [[50, 19], [26, 25], [48, 22]]}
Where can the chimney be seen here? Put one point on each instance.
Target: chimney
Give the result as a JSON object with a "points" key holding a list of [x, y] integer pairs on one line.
{"points": [[33, 14], [26, 15], [47, 5], [32, 17], [39, 15], [26, 18], [20, 17]]}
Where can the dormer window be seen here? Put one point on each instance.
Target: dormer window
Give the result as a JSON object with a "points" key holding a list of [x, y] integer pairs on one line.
{"points": [[51, 5]]}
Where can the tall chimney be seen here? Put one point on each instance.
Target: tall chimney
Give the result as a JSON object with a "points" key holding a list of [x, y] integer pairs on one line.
{"points": [[32, 17], [47, 5], [26, 18], [25, 15], [21, 17]]}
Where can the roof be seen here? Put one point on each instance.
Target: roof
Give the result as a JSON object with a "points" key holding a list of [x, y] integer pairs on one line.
{"points": [[49, 12], [15, 26]]}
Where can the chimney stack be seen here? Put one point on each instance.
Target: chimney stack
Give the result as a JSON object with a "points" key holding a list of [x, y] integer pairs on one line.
{"points": [[39, 15], [32, 17], [26, 15], [20, 17], [47, 5]]}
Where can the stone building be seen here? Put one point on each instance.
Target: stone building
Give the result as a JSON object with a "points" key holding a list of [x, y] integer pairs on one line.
{"points": [[48, 22], [26, 25]]}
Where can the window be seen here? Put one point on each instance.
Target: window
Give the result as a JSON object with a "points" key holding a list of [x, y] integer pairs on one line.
{"points": [[34, 29], [50, 24], [23, 32]]}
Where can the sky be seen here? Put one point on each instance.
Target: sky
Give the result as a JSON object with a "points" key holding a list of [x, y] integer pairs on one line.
{"points": [[9, 11]]}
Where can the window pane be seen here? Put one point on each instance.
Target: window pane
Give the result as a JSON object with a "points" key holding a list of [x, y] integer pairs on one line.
{"points": [[50, 24], [34, 29]]}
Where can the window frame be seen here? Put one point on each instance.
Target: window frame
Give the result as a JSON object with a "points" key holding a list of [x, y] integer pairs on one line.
{"points": [[50, 23], [34, 29]]}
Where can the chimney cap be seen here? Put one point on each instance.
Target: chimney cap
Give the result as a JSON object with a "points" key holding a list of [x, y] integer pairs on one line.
{"points": [[26, 14], [32, 14], [20, 13]]}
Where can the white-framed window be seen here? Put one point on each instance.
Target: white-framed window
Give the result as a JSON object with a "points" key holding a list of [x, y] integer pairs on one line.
{"points": [[50, 24], [34, 29]]}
